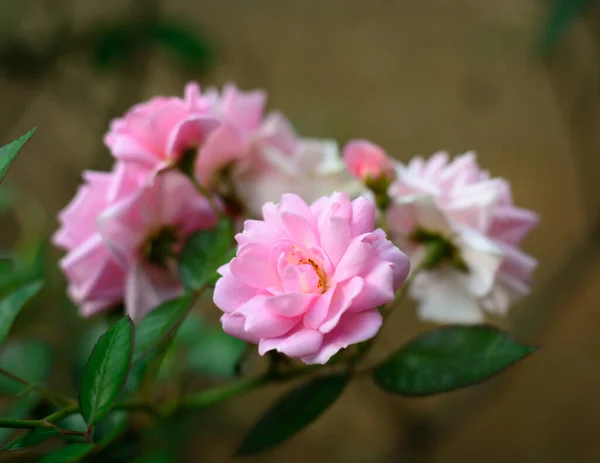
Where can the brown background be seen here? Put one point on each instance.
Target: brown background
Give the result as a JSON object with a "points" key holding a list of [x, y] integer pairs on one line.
{"points": [[415, 77]]}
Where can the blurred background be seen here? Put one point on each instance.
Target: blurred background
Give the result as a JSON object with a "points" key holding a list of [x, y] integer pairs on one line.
{"points": [[517, 81]]}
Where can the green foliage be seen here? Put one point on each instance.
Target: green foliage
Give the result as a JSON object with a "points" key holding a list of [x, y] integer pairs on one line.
{"points": [[207, 349], [204, 253], [8, 153], [12, 304], [83, 346], [32, 438], [16, 411], [216, 353], [74, 422], [106, 371], [21, 268], [160, 323], [29, 360], [111, 427], [449, 358], [68, 454], [295, 411]]}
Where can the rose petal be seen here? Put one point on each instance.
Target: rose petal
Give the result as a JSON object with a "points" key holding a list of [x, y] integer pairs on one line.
{"points": [[290, 305], [233, 324], [342, 300], [298, 343], [445, 299], [252, 266], [352, 329], [230, 293], [263, 322]]}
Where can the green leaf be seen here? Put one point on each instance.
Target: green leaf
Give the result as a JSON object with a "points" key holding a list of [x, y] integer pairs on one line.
{"points": [[69, 453], [83, 346], [8, 153], [32, 438], [106, 371], [204, 252], [159, 323], [295, 411], [12, 304], [29, 360], [449, 358], [216, 353]]}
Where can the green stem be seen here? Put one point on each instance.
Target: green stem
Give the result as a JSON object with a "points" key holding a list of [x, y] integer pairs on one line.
{"points": [[61, 414], [219, 394], [50, 420], [383, 222], [126, 405], [215, 395], [56, 398], [201, 399], [21, 424]]}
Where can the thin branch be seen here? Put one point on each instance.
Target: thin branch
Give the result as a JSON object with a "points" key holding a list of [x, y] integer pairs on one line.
{"points": [[21, 424], [55, 397]]}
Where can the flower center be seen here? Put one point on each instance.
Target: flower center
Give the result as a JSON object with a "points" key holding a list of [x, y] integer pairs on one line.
{"points": [[318, 270], [440, 250], [159, 246], [304, 272]]}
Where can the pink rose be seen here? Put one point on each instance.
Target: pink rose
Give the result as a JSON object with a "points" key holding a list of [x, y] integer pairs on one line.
{"points": [[146, 230], [241, 115], [96, 281], [156, 134], [459, 202], [368, 162], [217, 128], [307, 280]]}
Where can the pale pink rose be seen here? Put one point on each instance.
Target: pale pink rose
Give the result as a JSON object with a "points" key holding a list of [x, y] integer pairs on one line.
{"points": [[156, 134], [459, 201], [96, 281], [145, 232], [307, 280], [280, 163], [367, 161]]}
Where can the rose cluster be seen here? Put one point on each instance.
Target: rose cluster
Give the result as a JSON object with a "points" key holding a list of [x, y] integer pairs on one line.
{"points": [[314, 261]]}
